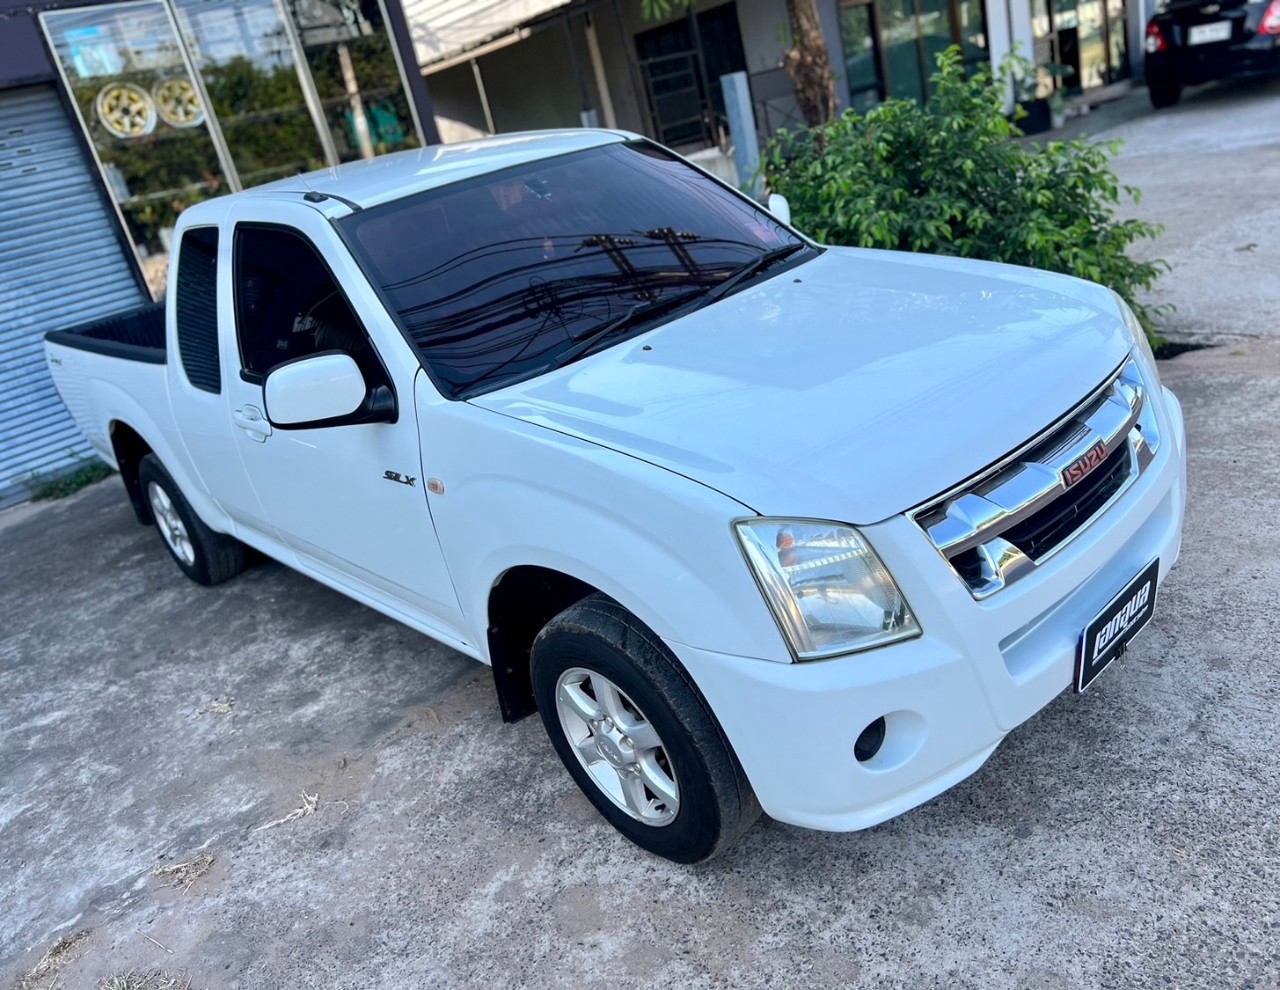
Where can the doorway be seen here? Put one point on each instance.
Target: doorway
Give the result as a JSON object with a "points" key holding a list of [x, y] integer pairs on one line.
{"points": [[1080, 44], [682, 63]]}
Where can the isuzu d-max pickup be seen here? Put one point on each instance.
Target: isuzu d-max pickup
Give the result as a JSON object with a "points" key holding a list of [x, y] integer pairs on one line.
{"points": [[751, 522]]}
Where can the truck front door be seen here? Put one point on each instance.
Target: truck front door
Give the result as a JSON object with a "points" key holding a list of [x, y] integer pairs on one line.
{"points": [[348, 500]]}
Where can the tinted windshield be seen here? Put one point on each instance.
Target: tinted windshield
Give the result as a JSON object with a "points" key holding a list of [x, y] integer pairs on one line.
{"points": [[495, 278]]}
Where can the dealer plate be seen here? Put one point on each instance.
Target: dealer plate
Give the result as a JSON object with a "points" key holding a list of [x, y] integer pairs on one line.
{"points": [[1203, 34], [1106, 637]]}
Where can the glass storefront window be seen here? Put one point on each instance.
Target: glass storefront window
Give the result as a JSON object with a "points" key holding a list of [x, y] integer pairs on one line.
{"points": [[143, 114], [912, 34], [348, 52], [182, 100], [1085, 38], [935, 33], [902, 50], [241, 49], [858, 39], [971, 26], [1118, 43], [1093, 49]]}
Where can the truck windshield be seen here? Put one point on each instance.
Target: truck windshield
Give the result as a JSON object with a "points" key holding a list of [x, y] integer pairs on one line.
{"points": [[502, 277]]}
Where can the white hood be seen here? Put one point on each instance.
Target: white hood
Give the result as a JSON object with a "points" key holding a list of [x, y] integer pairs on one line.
{"points": [[852, 387]]}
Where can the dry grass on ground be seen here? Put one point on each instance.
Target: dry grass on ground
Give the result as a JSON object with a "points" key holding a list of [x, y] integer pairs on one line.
{"points": [[184, 874], [45, 974], [310, 802], [216, 707], [153, 979]]}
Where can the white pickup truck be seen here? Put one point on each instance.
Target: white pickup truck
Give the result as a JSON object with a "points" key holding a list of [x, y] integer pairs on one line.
{"points": [[751, 522]]}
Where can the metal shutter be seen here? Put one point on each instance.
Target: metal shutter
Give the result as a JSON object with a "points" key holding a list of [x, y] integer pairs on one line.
{"points": [[61, 263]]}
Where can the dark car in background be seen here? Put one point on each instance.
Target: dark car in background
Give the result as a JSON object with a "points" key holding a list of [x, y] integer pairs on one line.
{"points": [[1196, 41]]}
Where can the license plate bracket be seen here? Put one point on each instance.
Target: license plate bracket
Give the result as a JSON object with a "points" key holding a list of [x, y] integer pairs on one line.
{"points": [[1106, 637]]}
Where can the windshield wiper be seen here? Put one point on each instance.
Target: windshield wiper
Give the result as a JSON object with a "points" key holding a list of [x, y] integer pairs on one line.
{"points": [[636, 314], [642, 311], [753, 267], [646, 310]]}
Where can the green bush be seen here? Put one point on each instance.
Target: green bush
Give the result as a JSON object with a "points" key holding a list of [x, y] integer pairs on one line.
{"points": [[946, 177]]}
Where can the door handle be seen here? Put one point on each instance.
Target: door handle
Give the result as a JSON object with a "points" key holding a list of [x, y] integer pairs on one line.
{"points": [[251, 420]]}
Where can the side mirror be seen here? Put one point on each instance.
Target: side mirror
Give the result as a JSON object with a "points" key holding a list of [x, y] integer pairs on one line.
{"points": [[324, 390], [779, 207]]}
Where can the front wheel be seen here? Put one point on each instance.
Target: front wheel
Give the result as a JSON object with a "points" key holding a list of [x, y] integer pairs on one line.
{"points": [[204, 556], [636, 735], [1163, 94]]}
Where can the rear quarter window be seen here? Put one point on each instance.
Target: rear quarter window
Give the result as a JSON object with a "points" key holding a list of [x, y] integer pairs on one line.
{"points": [[196, 308]]}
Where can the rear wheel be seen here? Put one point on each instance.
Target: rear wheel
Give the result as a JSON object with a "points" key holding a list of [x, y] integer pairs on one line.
{"points": [[204, 556], [635, 734], [1163, 94]]}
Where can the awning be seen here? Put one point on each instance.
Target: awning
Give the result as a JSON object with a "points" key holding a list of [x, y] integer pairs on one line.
{"points": [[443, 29]]}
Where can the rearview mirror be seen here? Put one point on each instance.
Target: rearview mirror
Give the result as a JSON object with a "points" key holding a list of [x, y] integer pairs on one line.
{"points": [[780, 208], [324, 390]]}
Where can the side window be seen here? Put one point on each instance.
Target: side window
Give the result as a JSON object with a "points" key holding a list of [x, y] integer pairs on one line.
{"points": [[197, 308], [288, 305]]}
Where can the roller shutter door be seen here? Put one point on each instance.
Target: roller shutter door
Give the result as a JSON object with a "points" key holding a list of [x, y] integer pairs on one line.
{"points": [[61, 263]]}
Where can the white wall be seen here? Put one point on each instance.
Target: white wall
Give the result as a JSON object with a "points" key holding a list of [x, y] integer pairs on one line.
{"points": [[1009, 29]]}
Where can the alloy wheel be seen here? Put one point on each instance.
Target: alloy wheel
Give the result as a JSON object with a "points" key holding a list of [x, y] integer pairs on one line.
{"points": [[617, 746]]}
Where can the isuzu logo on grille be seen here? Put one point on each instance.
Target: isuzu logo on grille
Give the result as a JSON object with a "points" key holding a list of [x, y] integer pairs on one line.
{"points": [[1081, 466]]}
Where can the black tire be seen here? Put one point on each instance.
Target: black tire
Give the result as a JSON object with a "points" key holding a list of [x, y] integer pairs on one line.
{"points": [[716, 803], [1163, 94], [216, 557]]}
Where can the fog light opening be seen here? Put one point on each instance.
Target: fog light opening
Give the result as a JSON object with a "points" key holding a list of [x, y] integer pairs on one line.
{"points": [[869, 741]]}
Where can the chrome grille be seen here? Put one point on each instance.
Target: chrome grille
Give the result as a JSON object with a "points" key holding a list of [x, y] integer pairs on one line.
{"points": [[1000, 525]]}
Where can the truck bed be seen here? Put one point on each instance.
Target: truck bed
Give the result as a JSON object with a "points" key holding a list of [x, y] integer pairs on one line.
{"points": [[134, 335], [114, 370]]}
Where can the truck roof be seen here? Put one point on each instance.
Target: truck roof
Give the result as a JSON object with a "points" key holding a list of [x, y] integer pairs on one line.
{"points": [[388, 177]]}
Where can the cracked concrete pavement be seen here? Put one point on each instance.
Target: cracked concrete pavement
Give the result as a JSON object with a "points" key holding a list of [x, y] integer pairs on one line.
{"points": [[1125, 838]]}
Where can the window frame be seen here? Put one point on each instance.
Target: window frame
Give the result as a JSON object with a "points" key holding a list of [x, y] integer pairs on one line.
{"points": [[260, 378]]}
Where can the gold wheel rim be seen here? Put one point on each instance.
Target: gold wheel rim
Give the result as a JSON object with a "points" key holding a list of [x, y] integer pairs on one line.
{"points": [[126, 110], [178, 103]]}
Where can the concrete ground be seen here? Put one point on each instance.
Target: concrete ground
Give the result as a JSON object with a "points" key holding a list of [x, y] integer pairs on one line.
{"points": [[1208, 169], [1126, 838]]}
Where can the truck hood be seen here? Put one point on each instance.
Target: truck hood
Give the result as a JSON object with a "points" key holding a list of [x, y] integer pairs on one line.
{"points": [[851, 387]]}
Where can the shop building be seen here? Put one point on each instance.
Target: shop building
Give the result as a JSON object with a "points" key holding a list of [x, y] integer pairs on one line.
{"points": [[538, 63], [114, 117]]}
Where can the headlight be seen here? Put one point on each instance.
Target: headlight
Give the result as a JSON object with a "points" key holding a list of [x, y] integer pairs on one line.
{"points": [[825, 585], [1145, 355]]}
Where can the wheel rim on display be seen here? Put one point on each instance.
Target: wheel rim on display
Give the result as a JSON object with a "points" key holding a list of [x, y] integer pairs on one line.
{"points": [[177, 103], [617, 746], [170, 524], [126, 110]]}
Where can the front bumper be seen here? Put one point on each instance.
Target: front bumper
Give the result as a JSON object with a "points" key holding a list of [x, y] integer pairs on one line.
{"points": [[950, 696]]}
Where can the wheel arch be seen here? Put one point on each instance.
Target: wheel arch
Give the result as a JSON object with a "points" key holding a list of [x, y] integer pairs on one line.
{"points": [[523, 599], [130, 448]]}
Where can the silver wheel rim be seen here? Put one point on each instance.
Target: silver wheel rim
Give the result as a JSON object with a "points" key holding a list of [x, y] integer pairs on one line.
{"points": [[617, 746], [170, 524]]}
